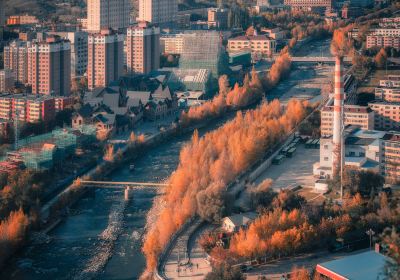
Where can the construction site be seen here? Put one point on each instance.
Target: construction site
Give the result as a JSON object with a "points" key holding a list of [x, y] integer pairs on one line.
{"points": [[43, 152]]}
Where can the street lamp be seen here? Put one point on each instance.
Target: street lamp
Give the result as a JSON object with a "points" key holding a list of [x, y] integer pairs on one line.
{"points": [[370, 233]]}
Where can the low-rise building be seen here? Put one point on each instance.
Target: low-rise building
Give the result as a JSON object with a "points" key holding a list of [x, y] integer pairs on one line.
{"points": [[366, 265], [383, 41], [27, 108], [362, 116], [388, 94], [391, 81], [274, 33], [261, 44], [236, 222], [171, 44], [22, 19], [374, 150], [387, 114], [6, 80]]}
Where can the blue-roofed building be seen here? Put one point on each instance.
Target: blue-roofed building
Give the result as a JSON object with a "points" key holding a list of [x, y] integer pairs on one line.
{"points": [[369, 265]]}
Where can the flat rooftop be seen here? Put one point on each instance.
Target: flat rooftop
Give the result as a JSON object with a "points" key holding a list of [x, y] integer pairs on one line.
{"points": [[369, 265]]}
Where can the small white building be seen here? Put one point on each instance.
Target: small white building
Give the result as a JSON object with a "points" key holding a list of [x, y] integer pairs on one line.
{"points": [[235, 222]]}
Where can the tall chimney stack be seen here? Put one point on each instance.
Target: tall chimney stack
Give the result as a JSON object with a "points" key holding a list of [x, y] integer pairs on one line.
{"points": [[338, 118]]}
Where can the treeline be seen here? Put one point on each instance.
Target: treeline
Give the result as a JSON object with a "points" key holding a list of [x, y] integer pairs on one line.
{"points": [[12, 233], [208, 164], [238, 97], [291, 228]]}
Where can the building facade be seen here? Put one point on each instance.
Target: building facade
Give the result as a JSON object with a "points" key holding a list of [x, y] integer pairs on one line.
{"points": [[21, 20], [160, 12], [387, 114], [313, 5], [143, 48], [257, 44], [16, 59], [171, 44], [218, 18], [390, 161], [79, 51], [102, 14], [27, 108], [388, 94], [49, 66], [383, 41], [105, 58], [6, 80], [361, 116]]}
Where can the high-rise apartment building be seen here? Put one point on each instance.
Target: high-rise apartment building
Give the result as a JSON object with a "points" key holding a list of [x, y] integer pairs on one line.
{"points": [[49, 66], [161, 12], [102, 14], [6, 80], [79, 51], [105, 58], [143, 48], [16, 59]]}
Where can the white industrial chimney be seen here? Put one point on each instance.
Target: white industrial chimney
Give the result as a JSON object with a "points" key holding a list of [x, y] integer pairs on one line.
{"points": [[338, 116]]}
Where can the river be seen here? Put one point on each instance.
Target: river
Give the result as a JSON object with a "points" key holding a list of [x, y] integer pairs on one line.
{"points": [[77, 252]]}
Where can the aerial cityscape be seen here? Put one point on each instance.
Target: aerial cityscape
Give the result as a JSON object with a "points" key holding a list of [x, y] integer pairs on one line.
{"points": [[197, 139]]}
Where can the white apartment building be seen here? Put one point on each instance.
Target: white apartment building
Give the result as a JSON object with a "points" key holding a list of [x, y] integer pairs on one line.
{"points": [[161, 12], [387, 94], [103, 14]]}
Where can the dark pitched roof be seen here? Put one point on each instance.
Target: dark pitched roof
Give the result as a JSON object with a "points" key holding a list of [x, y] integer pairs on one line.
{"points": [[359, 141], [85, 111]]}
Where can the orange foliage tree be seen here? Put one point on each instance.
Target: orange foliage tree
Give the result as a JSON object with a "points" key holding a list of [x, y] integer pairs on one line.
{"points": [[208, 164], [12, 232]]}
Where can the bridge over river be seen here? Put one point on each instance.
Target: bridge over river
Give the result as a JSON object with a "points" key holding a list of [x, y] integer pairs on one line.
{"points": [[317, 59]]}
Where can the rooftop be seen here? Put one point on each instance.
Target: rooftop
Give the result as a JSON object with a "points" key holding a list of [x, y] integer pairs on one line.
{"points": [[372, 265], [252, 38]]}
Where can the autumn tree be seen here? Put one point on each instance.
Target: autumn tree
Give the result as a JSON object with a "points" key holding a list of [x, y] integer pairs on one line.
{"points": [[391, 238], [340, 45], [380, 58], [225, 272], [300, 274]]}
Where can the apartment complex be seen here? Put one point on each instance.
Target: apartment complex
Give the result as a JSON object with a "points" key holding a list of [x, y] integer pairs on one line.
{"points": [[105, 58], [6, 80], [387, 104], [172, 43], [313, 5], [388, 94], [21, 20], [49, 66], [258, 44], [143, 48], [16, 59], [390, 161], [383, 41], [79, 51], [160, 12], [27, 108], [361, 116], [387, 114], [218, 18], [102, 14]]}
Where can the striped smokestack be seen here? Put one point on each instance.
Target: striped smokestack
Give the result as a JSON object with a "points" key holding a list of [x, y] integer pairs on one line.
{"points": [[338, 118]]}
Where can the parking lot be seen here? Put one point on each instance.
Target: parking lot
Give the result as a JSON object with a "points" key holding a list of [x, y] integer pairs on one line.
{"points": [[294, 171]]}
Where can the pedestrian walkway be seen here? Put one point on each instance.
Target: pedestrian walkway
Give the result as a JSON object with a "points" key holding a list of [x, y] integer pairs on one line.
{"points": [[183, 262]]}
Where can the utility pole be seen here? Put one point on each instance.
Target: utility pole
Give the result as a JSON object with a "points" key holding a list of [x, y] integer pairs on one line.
{"points": [[370, 233]]}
